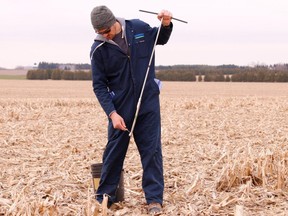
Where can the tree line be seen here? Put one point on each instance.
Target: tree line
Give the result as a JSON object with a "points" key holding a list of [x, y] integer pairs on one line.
{"points": [[223, 73], [57, 74], [54, 66], [204, 73]]}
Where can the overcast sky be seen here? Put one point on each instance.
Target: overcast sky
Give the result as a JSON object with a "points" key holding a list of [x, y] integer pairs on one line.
{"points": [[241, 32]]}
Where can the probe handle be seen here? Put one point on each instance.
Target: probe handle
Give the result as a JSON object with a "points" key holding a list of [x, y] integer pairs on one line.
{"points": [[157, 14]]}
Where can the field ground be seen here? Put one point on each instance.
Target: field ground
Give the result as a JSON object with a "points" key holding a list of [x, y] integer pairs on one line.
{"points": [[225, 149], [13, 74], [13, 77]]}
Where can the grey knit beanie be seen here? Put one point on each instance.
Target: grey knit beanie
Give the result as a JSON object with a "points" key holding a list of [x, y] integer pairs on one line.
{"points": [[102, 18]]}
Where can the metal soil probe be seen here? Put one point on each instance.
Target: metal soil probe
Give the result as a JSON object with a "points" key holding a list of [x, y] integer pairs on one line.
{"points": [[144, 83], [147, 72]]}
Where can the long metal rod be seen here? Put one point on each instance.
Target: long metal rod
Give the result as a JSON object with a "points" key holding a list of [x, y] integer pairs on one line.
{"points": [[144, 82], [157, 13]]}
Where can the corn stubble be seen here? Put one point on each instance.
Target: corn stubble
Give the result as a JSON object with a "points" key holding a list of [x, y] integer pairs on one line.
{"points": [[223, 155]]}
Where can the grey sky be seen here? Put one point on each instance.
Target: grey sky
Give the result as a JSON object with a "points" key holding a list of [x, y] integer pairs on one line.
{"points": [[241, 32]]}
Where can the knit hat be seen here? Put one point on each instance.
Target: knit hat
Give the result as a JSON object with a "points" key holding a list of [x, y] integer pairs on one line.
{"points": [[102, 18]]}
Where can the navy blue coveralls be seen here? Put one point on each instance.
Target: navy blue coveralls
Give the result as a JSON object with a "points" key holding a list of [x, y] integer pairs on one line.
{"points": [[117, 83]]}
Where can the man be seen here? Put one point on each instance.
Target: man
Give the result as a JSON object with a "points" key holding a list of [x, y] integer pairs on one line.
{"points": [[120, 57]]}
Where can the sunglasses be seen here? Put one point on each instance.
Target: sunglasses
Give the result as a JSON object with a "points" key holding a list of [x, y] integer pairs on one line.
{"points": [[104, 32]]}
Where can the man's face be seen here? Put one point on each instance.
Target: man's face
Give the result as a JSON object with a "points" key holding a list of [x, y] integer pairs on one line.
{"points": [[108, 33]]}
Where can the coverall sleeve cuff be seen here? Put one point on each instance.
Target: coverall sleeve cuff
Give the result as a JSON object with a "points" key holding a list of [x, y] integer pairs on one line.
{"points": [[111, 113], [168, 27]]}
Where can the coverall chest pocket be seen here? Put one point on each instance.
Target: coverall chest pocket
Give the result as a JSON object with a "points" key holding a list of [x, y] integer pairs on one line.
{"points": [[141, 46]]}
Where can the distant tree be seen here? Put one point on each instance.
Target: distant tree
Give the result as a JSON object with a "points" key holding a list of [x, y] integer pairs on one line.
{"points": [[37, 75], [281, 76], [175, 75], [67, 75], [214, 77], [56, 74], [227, 78], [46, 65], [82, 75], [83, 67]]}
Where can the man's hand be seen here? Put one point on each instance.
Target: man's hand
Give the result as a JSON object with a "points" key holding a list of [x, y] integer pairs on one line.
{"points": [[166, 15], [118, 121]]}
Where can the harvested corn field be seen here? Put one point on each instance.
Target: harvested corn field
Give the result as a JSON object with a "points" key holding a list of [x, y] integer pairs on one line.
{"points": [[225, 148]]}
